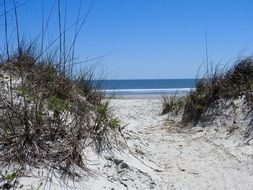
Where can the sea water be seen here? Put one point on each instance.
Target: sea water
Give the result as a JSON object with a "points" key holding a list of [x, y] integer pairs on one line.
{"points": [[146, 87]]}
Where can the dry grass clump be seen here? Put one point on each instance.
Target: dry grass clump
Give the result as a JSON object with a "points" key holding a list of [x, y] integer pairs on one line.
{"points": [[48, 119], [229, 84], [172, 104]]}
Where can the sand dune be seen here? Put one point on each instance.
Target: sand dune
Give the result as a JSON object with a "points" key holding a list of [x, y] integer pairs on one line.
{"points": [[163, 156]]}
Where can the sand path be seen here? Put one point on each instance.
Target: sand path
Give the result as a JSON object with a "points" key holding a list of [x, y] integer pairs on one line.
{"points": [[165, 158]]}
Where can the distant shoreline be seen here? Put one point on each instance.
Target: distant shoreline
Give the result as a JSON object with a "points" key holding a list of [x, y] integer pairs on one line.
{"points": [[129, 93], [136, 97], [147, 86], [139, 97]]}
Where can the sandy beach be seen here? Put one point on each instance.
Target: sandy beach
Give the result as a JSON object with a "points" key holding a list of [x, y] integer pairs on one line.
{"points": [[162, 156], [126, 95], [159, 154]]}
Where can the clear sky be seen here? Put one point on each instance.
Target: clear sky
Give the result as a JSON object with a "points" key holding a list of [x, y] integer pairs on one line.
{"points": [[148, 38]]}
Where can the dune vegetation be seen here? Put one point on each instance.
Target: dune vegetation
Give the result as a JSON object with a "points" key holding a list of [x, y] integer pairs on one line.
{"points": [[50, 115], [231, 84], [226, 84]]}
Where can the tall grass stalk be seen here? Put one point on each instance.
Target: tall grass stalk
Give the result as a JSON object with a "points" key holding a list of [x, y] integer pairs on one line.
{"points": [[6, 31], [17, 26]]}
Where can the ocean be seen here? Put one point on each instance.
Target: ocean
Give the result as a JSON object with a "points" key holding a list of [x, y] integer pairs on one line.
{"points": [[146, 87]]}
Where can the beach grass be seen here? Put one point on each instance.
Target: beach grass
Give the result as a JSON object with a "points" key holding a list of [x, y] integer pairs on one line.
{"points": [[172, 104], [49, 114], [48, 119], [232, 83]]}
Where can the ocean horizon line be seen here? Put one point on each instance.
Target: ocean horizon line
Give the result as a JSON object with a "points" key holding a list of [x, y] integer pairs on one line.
{"points": [[149, 86], [145, 79], [147, 89]]}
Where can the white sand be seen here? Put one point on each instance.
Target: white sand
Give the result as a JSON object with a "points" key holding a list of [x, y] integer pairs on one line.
{"points": [[162, 157]]}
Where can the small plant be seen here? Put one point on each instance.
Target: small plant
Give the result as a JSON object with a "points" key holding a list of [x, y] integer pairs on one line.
{"points": [[115, 123], [9, 180], [57, 104], [10, 177], [172, 104]]}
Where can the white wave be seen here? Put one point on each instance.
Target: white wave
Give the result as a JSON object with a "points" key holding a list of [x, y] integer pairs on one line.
{"points": [[150, 90]]}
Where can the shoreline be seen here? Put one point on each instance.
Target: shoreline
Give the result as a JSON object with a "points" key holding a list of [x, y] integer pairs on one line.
{"points": [[135, 97], [147, 96]]}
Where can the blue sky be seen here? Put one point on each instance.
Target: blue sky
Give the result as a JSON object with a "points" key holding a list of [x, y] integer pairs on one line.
{"points": [[148, 38]]}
